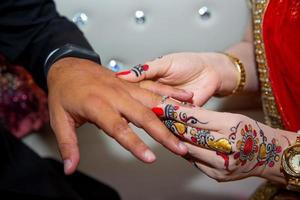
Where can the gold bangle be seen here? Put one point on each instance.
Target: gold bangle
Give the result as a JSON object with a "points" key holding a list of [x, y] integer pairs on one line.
{"points": [[242, 73]]}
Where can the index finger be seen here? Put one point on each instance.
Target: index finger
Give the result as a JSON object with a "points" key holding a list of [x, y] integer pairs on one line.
{"points": [[151, 70], [193, 116]]}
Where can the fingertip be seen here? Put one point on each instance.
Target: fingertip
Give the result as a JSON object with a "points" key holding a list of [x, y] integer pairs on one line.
{"points": [[149, 156], [183, 148], [71, 160], [68, 165]]}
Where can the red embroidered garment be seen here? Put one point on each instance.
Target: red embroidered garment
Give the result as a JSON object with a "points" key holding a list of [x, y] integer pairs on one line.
{"points": [[281, 32], [23, 105]]}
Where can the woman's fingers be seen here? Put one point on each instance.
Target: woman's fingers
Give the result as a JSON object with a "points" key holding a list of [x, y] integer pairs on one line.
{"points": [[207, 158], [151, 70], [201, 137], [194, 116], [165, 90], [203, 94]]}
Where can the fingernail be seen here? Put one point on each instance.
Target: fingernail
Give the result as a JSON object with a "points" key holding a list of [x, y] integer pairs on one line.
{"points": [[67, 165], [145, 67], [158, 111], [149, 156], [123, 73], [182, 147]]}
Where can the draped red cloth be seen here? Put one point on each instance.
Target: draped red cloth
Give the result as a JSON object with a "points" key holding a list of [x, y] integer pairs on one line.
{"points": [[281, 34]]}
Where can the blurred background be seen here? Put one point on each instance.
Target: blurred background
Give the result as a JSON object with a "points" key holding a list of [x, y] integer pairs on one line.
{"points": [[129, 32]]}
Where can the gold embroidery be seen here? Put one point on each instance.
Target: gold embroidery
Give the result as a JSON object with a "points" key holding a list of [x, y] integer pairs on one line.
{"points": [[272, 116]]}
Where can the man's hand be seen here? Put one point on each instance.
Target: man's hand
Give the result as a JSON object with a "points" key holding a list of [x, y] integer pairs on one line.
{"points": [[81, 91]]}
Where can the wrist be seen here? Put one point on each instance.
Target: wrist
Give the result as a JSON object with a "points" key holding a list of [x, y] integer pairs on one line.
{"points": [[65, 68], [226, 72], [70, 50]]}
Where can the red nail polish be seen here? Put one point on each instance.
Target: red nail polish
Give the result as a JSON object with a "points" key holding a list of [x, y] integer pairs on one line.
{"points": [[190, 101], [176, 107], [145, 67], [158, 111], [123, 73]]}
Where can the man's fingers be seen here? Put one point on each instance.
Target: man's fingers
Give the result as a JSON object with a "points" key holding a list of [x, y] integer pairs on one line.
{"points": [[165, 90], [145, 118], [115, 126], [66, 138]]}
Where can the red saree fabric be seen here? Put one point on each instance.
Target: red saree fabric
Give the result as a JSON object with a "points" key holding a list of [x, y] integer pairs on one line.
{"points": [[281, 33]]}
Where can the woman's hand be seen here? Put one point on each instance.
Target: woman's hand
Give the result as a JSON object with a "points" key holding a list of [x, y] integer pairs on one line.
{"points": [[227, 146], [204, 74]]}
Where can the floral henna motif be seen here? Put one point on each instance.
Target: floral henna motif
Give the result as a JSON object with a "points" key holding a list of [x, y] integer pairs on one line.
{"points": [[200, 137], [176, 127], [268, 152], [232, 138], [225, 158], [247, 147], [250, 146]]}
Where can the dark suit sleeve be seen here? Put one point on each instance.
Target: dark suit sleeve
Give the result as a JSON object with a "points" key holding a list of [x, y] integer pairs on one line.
{"points": [[31, 29]]}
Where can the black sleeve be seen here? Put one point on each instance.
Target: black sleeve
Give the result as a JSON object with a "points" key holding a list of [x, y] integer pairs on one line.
{"points": [[31, 29]]}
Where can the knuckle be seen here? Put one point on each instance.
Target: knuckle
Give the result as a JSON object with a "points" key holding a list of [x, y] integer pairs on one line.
{"points": [[149, 117], [236, 118], [120, 129], [167, 139], [66, 148], [139, 146], [154, 98]]}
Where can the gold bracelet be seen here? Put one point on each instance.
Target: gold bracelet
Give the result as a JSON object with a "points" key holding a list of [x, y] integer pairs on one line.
{"points": [[242, 73]]}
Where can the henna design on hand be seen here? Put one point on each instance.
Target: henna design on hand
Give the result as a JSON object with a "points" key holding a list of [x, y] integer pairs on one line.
{"points": [[268, 152], [247, 146], [232, 138], [171, 113], [287, 139], [200, 137], [250, 146], [234, 130], [139, 69]]}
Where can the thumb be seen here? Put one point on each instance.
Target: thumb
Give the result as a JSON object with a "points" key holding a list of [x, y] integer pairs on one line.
{"points": [[149, 71], [64, 130]]}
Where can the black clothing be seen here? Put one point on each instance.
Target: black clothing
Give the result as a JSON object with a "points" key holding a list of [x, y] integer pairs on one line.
{"points": [[30, 30], [25, 175]]}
